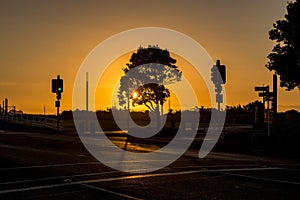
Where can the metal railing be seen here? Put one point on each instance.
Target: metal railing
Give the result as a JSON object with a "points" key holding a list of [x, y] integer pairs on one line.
{"points": [[32, 120]]}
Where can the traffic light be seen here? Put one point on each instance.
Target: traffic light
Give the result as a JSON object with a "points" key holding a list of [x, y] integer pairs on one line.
{"points": [[214, 75], [54, 87], [57, 85], [222, 71], [218, 77], [218, 71]]}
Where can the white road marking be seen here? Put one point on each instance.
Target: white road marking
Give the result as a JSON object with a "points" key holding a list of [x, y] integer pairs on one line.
{"points": [[57, 177], [52, 165], [109, 191], [261, 178], [142, 176], [54, 195]]}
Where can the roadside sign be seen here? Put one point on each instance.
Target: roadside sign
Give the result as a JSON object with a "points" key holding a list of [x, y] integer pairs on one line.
{"points": [[261, 88]]}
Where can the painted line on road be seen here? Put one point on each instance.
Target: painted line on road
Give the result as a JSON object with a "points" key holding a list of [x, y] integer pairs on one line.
{"points": [[68, 177], [135, 177], [56, 194], [72, 164], [57, 177], [204, 167], [287, 164], [109, 191], [260, 178], [52, 165]]}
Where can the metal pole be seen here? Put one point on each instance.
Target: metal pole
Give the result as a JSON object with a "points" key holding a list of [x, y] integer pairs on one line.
{"points": [[87, 92], [268, 116], [57, 119], [255, 114], [162, 114], [128, 104], [169, 104], [274, 101], [6, 106]]}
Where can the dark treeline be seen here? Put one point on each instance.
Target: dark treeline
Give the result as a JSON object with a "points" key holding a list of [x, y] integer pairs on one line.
{"points": [[247, 114]]}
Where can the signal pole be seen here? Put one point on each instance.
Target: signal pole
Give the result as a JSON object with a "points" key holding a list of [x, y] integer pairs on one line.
{"points": [[57, 87], [87, 91], [218, 77]]}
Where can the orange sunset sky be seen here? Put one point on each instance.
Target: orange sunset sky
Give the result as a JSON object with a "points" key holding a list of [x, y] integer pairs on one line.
{"points": [[41, 39]]}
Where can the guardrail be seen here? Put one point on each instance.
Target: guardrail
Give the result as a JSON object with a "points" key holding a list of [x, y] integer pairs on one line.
{"points": [[32, 120]]}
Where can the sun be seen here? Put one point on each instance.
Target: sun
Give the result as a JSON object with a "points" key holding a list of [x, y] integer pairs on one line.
{"points": [[134, 95]]}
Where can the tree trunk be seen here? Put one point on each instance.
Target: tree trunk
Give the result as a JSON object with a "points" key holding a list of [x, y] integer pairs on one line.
{"points": [[157, 116]]}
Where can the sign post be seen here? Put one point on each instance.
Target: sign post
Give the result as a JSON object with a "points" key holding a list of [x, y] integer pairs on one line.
{"points": [[267, 97]]}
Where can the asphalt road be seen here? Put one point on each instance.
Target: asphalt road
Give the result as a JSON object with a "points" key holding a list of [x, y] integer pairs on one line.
{"points": [[51, 166]]}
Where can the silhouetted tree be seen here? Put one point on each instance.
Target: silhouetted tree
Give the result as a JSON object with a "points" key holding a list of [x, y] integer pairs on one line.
{"points": [[285, 56], [252, 106], [156, 68]]}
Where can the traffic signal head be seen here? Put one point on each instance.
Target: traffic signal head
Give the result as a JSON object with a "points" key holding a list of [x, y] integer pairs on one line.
{"points": [[222, 71], [54, 90], [214, 74], [218, 73], [59, 84]]}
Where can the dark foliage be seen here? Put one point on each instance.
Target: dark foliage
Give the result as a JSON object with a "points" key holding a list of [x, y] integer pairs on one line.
{"points": [[285, 56], [155, 69]]}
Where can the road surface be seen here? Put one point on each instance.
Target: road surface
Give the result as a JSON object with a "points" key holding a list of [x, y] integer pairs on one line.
{"points": [[52, 166]]}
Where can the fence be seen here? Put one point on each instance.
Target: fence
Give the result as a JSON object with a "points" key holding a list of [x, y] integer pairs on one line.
{"points": [[32, 120]]}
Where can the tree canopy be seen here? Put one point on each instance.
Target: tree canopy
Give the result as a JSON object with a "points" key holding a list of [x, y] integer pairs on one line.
{"points": [[153, 69], [285, 56]]}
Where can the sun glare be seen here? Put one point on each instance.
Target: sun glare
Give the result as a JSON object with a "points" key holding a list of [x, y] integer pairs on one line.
{"points": [[134, 95]]}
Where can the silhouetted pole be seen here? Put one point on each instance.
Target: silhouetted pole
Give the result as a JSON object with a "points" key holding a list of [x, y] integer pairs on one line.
{"points": [[57, 125], [162, 113], [169, 105], [57, 87], [268, 102], [6, 106], [128, 105], [218, 77], [87, 91], [274, 102], [58, 77]]}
